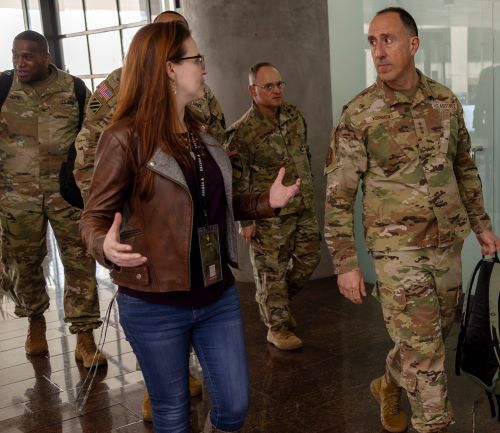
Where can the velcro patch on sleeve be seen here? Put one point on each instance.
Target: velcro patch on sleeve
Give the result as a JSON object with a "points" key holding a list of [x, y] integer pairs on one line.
{"points": [[94, 104]]}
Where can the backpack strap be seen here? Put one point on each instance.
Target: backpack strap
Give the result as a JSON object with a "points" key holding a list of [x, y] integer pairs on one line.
{"points": [[465, 318], [494, 294], [81, 96], [492, 404], [6, 78]]}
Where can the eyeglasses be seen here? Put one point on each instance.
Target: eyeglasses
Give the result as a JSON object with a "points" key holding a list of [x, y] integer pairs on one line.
{"points": [[268, 87], [200, 59]]}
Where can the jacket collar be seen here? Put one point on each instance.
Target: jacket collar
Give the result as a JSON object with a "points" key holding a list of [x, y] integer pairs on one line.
{"points": [[166, 165]]}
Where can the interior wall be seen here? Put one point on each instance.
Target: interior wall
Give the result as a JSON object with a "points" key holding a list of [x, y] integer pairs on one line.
{"points": [[291, 34]]}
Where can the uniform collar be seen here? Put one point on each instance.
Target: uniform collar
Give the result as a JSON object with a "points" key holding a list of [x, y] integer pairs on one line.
{"points": [[56, 85], [392, 97], [281, 117]]}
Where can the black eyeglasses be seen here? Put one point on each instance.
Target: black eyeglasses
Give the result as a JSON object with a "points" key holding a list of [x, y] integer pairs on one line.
{"points": [[200, 59], [270, 86]]}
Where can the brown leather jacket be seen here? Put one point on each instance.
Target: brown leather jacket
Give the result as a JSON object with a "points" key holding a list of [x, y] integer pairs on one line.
{"points": [[160, 228]]}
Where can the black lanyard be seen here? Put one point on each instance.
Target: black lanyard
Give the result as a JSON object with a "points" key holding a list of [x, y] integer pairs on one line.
{"points": [[201, 186]]}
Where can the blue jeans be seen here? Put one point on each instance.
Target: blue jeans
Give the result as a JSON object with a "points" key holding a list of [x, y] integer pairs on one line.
{"points": [[160, 336]]}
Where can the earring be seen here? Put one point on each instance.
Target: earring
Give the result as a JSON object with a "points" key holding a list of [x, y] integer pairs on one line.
{"points": [[173, 86]]}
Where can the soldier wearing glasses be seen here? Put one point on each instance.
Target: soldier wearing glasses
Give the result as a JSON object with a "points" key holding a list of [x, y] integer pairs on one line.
{"points": [[284, 250]]}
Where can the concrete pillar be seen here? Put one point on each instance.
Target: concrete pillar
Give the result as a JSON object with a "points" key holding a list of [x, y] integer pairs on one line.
{"points": [[291, 34]]}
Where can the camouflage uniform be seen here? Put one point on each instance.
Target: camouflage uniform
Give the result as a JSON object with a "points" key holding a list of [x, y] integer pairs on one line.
{"points": [[36, 130], [285, 249], [100, 110], [422, 194]]}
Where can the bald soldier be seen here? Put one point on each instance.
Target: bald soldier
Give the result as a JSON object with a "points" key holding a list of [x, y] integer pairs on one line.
{"points": [[284, 250], [102, 106], [100, 110], [404, 137], [39, 120]]}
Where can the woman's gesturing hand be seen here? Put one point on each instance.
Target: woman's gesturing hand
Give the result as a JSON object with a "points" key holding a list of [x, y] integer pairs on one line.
{"points": [[120, 254], [279, 194]]}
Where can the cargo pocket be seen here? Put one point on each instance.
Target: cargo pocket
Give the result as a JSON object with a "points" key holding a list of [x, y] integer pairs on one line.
{"points": [[392, 297]]}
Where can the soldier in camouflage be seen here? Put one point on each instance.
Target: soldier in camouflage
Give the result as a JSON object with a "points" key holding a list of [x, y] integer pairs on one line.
{"points": [[404, 137], [284, 250], [38, 122], [102, 106]]}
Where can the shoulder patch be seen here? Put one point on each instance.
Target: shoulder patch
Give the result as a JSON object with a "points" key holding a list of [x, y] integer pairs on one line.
{"points": [[94, 104], [105, 91]]}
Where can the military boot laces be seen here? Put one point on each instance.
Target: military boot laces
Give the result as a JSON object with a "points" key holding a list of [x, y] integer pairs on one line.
{"points": [[387, 394], [210, 428], [36, 341], [87, 352]]}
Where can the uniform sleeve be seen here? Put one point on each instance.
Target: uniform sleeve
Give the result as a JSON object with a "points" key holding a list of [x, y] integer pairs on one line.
{"points": [[308, 150], [216, 122], [98, 115], [241, 161], [469, 183], [345, 164]]}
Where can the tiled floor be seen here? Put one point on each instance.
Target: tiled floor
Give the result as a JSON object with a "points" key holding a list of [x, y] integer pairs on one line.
{"points": [[320, 389]]}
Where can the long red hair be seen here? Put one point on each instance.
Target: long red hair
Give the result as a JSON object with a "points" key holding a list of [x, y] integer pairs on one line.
{"points": [[146, 96]]}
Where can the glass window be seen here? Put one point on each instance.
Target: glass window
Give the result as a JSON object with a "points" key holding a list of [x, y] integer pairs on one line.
{"points": [[88, 83], [133, 11], [35, 17], [128, 35], [75, 55], [97, 81], [105, 52], [11, 24], [101, 14], [71, 16]]}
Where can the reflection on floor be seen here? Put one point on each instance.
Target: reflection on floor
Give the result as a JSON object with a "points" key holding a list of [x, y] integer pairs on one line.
{"points": [[320, 389]]}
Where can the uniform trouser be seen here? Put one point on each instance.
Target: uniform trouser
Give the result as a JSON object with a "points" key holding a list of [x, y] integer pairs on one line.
{"points": [[24, 246], [419, 292], [284, 253]]}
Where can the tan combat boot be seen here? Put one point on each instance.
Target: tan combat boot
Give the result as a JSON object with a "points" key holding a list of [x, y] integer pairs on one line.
{"points": [[210, 428], [36, 341], [147, 413], [387, 394], [86, 349], [194, 386], [284, 339]]}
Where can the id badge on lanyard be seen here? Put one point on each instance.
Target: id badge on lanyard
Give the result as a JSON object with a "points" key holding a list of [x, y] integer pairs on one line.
{"points": [[208, 238], [208, 235]]}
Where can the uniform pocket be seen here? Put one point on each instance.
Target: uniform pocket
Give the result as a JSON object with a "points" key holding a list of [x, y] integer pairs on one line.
{"points": [[392, 297], [389, 153]]}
